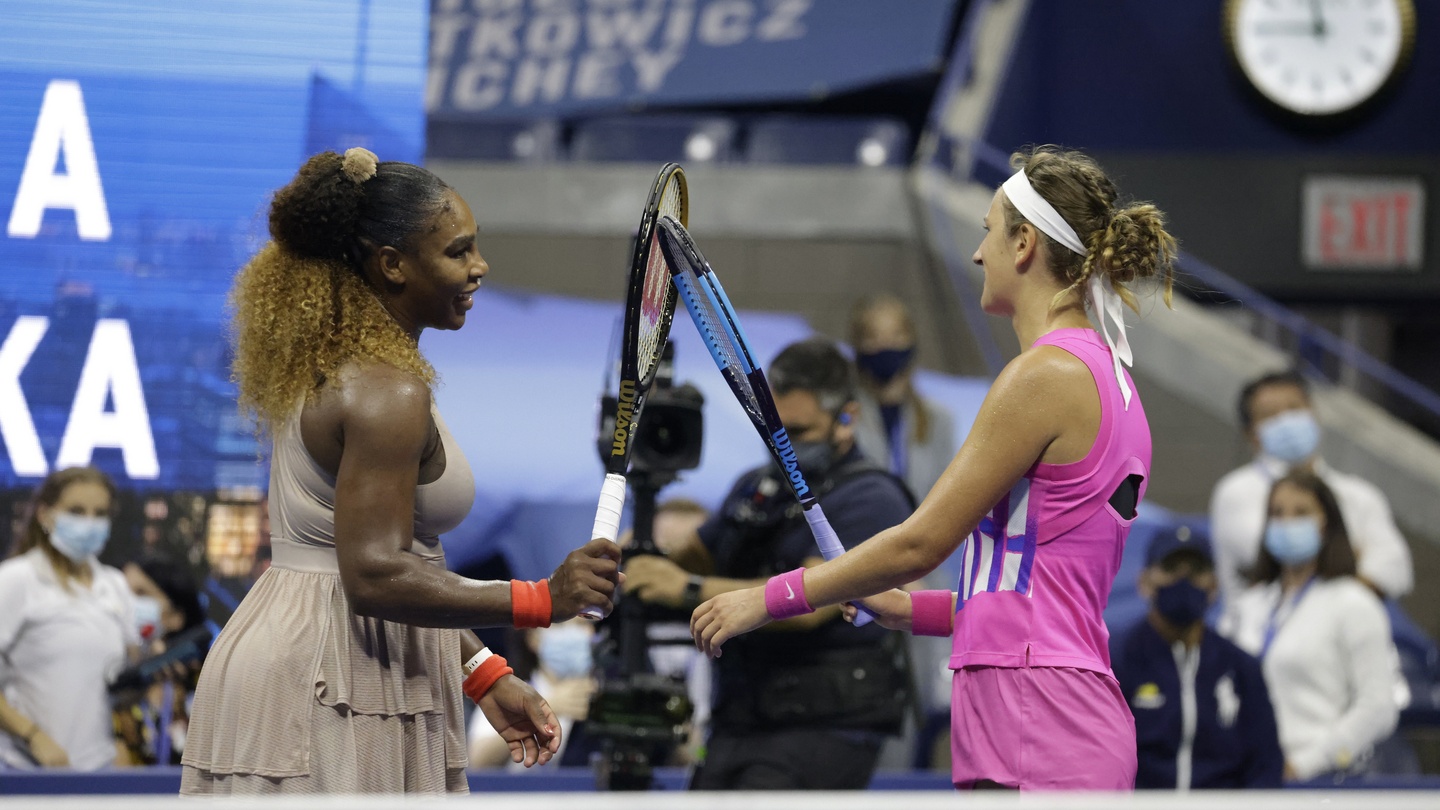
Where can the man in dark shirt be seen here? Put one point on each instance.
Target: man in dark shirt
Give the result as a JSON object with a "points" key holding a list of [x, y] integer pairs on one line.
{"points": [[1203, 717], [806, 704]]}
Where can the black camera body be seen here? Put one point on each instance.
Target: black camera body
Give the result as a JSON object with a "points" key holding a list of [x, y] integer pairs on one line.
{"points": [[669, 436]]}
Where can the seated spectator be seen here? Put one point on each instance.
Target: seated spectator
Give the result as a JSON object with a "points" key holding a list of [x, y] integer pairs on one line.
{"points": [[67, 627], [152, 713], [1322, 637], [557, 661], [1277, 417], [1202, 713]]}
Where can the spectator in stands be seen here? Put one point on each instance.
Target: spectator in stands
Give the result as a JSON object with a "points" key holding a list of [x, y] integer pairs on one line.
{"points": [[1323, 638], [910, 435], [789, 711], [67, 628], [557, 661], [1203, 717], [1275, 412], [355, 640], [153, 716]]}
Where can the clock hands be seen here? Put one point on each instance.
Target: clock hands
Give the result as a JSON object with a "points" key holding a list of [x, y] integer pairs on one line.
{"points": [[1317, 14]]}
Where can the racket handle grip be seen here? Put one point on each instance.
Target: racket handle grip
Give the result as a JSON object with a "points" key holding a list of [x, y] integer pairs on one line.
{"points": [[607, 521], [830, 548]]}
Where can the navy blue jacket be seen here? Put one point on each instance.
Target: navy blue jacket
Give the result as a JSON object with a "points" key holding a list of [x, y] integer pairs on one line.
{"points": [[1235, 742]]}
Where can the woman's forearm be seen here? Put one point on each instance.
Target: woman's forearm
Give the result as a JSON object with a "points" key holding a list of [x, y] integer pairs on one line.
{"points": [[15, 724], [401, 587]]}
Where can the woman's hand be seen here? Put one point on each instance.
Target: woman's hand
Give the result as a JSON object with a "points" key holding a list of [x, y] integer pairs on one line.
{"points": [[523, 719], [890, 608], [586, 579], [45, 751], [655, 579], [727, 616]]}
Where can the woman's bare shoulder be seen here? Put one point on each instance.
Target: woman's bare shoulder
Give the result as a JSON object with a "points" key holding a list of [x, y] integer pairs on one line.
{"points": [[365, 392]]}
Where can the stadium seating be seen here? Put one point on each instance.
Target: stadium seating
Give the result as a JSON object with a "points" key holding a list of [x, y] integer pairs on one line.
{"points": [[655, 138]]}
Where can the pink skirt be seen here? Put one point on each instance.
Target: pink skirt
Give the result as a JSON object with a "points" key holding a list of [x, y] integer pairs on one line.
{"points": [[1040, 728]]}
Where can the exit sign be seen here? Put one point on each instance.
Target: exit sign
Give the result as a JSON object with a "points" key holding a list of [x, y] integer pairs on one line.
{"points": [[1363, 223]]}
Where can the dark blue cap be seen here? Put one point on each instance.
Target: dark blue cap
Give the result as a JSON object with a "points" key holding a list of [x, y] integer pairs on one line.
{"points": [[1178, 538]]}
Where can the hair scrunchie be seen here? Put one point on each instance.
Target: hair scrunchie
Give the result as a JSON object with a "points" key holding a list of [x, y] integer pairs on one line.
{"points": [[360, 164]]}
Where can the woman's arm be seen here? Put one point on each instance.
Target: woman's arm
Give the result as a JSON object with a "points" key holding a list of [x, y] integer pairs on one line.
{"points": [[1038, 401], [1371, 673], [42, 747], [384, 424]]}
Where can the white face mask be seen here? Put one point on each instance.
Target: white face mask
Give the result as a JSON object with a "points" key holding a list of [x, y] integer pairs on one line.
{"points": [[1292, 436], [79, 537]]}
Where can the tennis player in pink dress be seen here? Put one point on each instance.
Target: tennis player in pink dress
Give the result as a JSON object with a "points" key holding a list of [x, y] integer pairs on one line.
{"points": [[1040, 498]]}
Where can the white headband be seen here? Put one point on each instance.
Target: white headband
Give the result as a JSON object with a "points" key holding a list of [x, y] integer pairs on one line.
{"points": [[1103, 298], [1041, 214]]}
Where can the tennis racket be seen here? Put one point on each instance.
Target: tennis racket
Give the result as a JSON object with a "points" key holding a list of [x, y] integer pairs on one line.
{"points": [[720, 328], [649, 308]]}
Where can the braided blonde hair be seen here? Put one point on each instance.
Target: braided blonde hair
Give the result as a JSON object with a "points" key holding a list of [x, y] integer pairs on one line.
{"points": [[1125, 244]]}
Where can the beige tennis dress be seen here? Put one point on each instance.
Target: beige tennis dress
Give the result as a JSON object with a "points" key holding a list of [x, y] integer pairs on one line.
{"points": [[299, 693]]}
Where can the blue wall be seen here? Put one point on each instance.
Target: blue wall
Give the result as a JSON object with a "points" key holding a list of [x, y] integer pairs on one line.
{"points": [[1139, 75]]}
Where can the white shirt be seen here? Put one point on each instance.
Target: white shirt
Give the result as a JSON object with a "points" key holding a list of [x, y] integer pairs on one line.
{"points": [[1331, 668], [58, 652], [1240, 503]]}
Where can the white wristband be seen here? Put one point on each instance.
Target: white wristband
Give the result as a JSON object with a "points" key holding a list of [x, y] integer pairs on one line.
{"points": [[474, 663]]}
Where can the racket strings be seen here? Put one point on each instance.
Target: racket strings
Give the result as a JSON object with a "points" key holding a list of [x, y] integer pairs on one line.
{"points": [[713, 331]]}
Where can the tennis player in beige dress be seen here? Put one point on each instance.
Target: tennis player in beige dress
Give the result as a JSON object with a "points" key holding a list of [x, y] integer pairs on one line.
{"points": [[341, 671]]}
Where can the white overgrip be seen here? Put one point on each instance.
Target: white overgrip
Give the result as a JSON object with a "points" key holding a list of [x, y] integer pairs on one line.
{"points": [[612, 504], [607, 521]]}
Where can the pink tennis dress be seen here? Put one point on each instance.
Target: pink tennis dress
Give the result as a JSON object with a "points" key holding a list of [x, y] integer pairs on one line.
{"points": [[1035, 704]]}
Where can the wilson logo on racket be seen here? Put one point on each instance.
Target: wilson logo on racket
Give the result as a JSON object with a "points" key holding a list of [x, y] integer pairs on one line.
{"points": [[624, 417], [792, 464]]}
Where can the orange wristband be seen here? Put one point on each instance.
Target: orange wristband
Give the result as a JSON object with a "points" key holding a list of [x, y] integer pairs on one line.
{"points": [[490, 670], [530, 603]]}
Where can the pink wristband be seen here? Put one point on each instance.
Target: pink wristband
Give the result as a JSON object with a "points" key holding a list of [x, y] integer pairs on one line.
{"points": [[785, 595], [932, 613]]}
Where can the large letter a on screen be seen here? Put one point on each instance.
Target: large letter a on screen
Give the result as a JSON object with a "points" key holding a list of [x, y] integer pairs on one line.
{"points": [[62, 126]]}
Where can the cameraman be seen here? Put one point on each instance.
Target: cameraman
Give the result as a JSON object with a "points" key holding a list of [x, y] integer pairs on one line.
{"points": [[806, 705]]}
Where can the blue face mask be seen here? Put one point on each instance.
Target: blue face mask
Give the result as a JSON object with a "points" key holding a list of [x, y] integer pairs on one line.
{"points": [[1293, 540], [79, 537], [1292, 436], [884, 365], [1182, 602], [565, 652]]}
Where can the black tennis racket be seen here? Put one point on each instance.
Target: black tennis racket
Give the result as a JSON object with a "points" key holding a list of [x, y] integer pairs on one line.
{"points": [[649, 309], [720, 328]]}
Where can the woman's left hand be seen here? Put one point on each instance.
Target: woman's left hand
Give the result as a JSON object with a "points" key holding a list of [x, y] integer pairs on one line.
{"points": [[727, 616], [523, 719]]}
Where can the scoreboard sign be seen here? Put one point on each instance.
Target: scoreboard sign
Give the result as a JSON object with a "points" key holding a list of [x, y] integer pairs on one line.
{"points": [[1363, 223]]}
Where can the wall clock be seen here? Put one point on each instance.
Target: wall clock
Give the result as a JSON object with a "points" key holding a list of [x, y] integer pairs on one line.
{"points": [[1320, 57]]}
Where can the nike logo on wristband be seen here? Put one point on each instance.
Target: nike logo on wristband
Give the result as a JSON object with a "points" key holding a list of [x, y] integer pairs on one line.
{"points": [[790, 591]]}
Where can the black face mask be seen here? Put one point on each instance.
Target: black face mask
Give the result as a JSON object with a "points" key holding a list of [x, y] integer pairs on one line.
{"points": [[884, 365], [1182, 602], [815, 458]]}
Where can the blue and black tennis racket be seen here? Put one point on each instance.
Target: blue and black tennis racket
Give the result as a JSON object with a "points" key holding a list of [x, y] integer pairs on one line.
{"points": [[720, 328]]}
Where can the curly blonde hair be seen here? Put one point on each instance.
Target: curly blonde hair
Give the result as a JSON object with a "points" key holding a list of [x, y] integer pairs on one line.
{"points": [[1126, 244], [301, 307]]}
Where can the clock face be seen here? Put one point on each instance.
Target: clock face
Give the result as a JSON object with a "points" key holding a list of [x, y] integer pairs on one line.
{"points": [[1320, 57]]}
